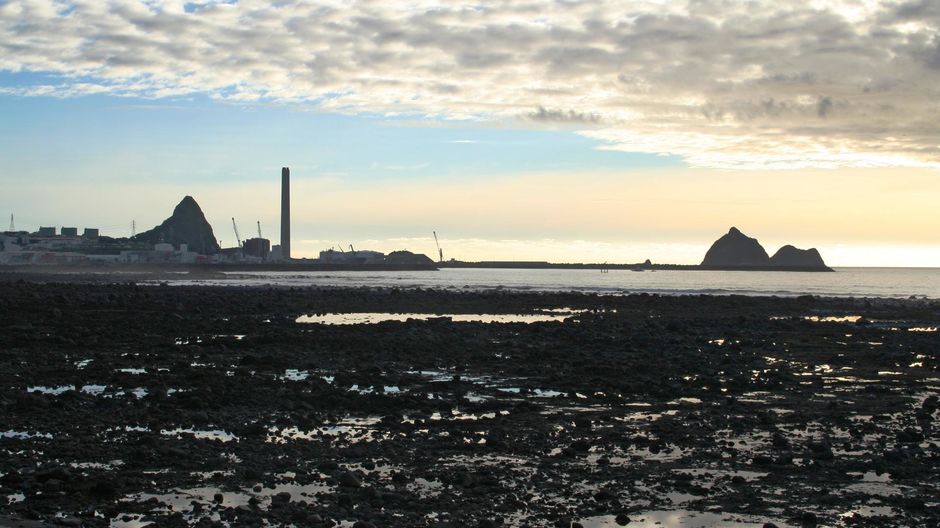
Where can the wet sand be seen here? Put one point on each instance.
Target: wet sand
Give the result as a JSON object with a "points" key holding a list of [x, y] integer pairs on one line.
{"points": [[124, 405]]}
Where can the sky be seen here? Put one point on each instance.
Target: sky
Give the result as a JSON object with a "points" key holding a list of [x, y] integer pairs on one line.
{"points": [[561, 130]]}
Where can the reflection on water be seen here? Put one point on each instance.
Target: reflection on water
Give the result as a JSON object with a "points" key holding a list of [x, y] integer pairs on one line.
{"points": [[834, 318], [216, 434], [381, 317], [681, 519], [24, 435]]}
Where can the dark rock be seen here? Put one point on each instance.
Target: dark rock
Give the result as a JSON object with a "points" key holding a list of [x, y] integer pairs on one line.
{"points": [[909, 436], [105, 488], [895, 455], [736, 249], [622, 519], [791, 257], [349, 480], [822, 451], [762, 460], [187, 225], [605, 495], [808, 520], [280, 499], [328, 466], [53, 473], [407, 258], [581, 446]]}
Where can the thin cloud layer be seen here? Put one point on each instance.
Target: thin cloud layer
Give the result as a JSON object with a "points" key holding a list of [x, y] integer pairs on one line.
{"points": [[775, 84]]}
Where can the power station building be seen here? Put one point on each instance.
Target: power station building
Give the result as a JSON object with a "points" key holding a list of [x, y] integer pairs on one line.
{"points": [[257, 247]]}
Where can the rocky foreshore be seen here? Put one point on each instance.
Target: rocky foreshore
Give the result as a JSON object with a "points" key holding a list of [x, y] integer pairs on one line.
{"points": [[129, 405]]}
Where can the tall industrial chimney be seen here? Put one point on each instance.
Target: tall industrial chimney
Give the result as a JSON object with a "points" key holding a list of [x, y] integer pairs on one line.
{"points": [[285, 213]]}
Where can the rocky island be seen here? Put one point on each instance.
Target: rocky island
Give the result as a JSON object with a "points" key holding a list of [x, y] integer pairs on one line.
{"points": [[737, 251], [187, 225]]}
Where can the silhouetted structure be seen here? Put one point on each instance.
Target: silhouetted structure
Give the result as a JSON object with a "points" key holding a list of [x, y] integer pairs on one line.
{"points": [[789, 256], [285, 213], [736, 249], [257, 247], [407, 258], [188, 226]]}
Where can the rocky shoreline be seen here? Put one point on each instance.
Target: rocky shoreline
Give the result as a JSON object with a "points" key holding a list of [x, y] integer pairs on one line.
{"points": [[130, 405]]}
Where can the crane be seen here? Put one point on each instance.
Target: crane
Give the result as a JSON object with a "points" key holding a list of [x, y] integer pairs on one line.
{"points": [[440, 254], [237, 238], [259, 229]]}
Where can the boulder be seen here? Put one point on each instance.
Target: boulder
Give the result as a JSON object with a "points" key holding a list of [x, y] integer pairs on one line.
{"points": [[735, 249]]}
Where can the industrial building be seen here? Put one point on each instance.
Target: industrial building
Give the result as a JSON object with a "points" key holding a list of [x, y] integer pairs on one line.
{"points": [[187, 227], [258, 248], [331, 256]]}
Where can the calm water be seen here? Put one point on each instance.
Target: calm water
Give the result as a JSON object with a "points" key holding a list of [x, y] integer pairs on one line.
{"points": [[846, 282]]}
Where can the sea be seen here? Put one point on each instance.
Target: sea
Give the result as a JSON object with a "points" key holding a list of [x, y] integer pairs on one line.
{"points": [[844, 282]]}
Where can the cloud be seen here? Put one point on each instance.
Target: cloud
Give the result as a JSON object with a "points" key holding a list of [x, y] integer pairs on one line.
{"points": [[561, 116], [823, 106], [780, 84]]}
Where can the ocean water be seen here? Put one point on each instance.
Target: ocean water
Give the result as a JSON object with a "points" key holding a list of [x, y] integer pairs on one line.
{"points": [[845, 282]]}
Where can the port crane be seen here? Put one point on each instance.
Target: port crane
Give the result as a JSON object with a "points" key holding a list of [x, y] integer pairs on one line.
{"points": [[237, 238], [440, 254]]}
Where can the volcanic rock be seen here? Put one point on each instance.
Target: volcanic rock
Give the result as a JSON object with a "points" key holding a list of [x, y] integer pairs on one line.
{"points": [[791, 257], [407, 258], [735, 249], [187, 225]]}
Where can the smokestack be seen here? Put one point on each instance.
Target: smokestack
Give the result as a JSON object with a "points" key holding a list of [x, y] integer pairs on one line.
{"points": [[285, 213]]}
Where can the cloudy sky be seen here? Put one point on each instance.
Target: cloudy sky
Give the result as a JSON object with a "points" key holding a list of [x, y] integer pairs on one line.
{"points": [[530, 129]]}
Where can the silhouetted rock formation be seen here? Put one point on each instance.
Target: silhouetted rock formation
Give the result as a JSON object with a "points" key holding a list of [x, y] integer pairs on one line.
{"points": [[791, 257], [736, 249], [407, 258], [187, 225]]}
